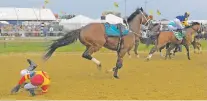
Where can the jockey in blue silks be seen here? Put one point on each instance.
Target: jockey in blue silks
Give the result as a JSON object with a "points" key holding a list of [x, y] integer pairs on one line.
{"points": [[179, 22]]}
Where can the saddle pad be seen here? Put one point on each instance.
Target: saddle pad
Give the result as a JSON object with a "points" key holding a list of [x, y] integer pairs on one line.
{"points": [[112, 30], [179, 35]]}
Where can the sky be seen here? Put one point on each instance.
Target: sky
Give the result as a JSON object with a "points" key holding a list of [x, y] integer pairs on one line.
{"points": [[94, 8]]}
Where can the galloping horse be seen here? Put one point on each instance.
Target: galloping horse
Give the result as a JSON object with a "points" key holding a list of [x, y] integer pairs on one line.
{"points": [[169, 37], [94, 37], [196, 38], [152, 31]]}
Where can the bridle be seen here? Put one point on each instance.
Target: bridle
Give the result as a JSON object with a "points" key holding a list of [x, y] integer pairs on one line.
{"points": [[196, 30], [143, 16]]}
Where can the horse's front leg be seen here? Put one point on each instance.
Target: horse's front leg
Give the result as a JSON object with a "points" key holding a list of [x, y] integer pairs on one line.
{"points": [[119, 62], [129, 54], [187, 49], [136, 48]]}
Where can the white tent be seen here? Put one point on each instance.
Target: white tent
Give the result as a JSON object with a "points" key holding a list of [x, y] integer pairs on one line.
{"points": [[8, 13], [80, 19], [76, 22]]}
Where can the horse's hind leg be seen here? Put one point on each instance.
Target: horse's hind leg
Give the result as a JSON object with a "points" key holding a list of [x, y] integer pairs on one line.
{"points": [[161, 50], [153, 50], [175, 49], [87, 55], [172, 46]]}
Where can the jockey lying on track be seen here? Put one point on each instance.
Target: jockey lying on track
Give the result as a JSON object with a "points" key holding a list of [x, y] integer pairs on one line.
{"points": [[36, 79]]}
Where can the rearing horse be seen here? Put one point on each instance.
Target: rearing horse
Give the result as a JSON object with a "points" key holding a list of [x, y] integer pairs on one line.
{"points": [[94, 37], [169, 37]]}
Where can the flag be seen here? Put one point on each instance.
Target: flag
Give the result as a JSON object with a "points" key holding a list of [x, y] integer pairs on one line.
{"points": [[158, 12], [116, 4], [46, 1], [151, 12]]}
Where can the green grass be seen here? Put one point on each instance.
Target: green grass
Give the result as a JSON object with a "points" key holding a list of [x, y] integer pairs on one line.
{"points": [[28, 46]]}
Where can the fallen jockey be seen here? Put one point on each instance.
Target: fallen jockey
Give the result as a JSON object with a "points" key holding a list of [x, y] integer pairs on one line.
{"points": [[35, 79]]}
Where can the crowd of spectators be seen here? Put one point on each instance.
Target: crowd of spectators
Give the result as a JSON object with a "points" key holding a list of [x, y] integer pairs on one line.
{"points": [[29, 30]]}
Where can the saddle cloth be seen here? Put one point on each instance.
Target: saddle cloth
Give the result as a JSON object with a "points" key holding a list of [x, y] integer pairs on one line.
{"points": [[179, 35], [113, 30]]}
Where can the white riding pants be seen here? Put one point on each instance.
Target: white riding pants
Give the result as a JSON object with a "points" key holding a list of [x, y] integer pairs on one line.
{"points": [[29, 86], [178, 24], [172, 28]]}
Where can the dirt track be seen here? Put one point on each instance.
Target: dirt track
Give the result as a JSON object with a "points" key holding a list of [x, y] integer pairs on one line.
{"points": [[76, 78]]}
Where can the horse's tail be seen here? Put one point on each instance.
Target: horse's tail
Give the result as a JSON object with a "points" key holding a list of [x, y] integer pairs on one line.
{"points": [[67, 39]]}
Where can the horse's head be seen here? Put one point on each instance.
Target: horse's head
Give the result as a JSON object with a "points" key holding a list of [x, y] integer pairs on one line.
{"points": [[139, 15], [154, 27], [144, 16], [196, 27]]}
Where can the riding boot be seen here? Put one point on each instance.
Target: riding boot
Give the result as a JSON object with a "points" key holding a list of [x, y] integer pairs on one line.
{"points": [[31, 91], [32, 65], [180, 30]]}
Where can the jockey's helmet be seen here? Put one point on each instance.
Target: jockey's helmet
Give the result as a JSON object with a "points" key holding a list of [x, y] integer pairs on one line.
{"points": [[187, 14], [24, 72]]}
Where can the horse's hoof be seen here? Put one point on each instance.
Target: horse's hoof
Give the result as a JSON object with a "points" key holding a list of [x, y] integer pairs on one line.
{"points": [[115, 76], [137, 56], [99, 66], [147, 59], [130, 56]]}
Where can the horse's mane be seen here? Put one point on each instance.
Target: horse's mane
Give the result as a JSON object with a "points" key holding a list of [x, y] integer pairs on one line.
{"points": [[188, 26], [156, 24], [131, 17], [195, 23]]}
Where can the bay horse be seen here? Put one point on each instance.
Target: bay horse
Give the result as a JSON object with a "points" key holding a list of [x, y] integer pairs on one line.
{"points": [[152, 32], [195, 43], [169, 37], [93, 36]]}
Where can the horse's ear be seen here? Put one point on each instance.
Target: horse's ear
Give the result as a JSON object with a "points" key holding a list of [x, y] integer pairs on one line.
{"points": [[141, 9]]}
